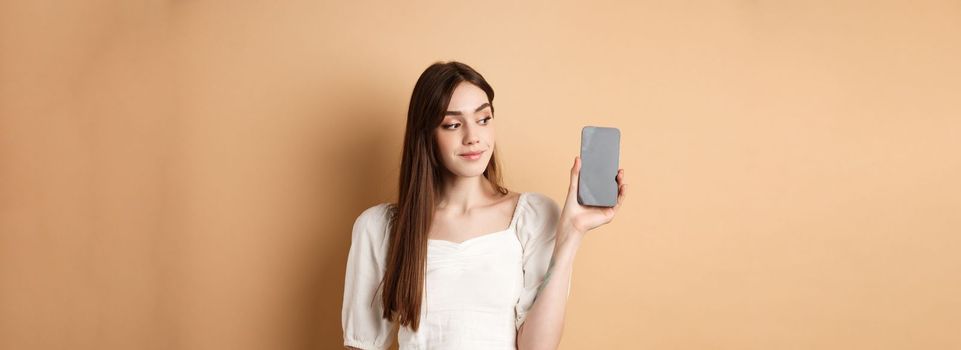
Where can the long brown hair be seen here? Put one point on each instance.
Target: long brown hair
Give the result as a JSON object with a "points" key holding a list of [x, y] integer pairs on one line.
{"points": [[421, 177]]}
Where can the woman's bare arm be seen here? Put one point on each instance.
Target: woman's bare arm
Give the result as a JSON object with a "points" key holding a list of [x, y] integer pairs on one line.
{"points": [[544, 325]]}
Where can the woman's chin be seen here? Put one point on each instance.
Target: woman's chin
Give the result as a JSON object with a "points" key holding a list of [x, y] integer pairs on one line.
{"points": [[469, 172]]}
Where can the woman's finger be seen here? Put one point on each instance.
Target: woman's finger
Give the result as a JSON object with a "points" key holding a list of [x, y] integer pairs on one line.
{"points": [[621, 192], [575, 174]]}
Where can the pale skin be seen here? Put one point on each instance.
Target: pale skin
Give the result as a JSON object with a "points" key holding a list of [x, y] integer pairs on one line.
{"points": [[470, 204]]}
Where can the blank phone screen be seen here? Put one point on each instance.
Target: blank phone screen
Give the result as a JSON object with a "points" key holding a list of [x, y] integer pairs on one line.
{"points": [[600, 150]]}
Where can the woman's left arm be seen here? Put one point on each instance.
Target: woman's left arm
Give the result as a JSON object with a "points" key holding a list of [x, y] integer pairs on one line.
{"points": [[544, 325]]}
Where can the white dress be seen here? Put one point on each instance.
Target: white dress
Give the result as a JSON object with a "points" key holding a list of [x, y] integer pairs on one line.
{"points": [[477, 292]]}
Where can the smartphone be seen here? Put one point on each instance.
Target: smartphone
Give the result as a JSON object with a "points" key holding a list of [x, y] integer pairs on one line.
{"points": [[600, 150]]}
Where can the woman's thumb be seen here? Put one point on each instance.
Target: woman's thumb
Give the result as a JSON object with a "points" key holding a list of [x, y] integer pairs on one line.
{"points": [[575, 174]]}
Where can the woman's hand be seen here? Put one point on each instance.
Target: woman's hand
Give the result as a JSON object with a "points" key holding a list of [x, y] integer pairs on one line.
{"points": [[581, 219]]}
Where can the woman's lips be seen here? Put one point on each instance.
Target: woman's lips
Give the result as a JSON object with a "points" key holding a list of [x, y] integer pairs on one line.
{"points": [[472, 156]]}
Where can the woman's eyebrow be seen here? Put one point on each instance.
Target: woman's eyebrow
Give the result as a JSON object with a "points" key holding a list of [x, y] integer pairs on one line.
{"points": [[485, 105]]}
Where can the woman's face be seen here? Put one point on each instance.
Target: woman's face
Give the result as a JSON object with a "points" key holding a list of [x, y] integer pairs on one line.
{"points": [[466, 136]]}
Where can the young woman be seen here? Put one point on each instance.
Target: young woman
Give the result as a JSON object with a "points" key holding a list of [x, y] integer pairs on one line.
{"points": [[460, 262]]}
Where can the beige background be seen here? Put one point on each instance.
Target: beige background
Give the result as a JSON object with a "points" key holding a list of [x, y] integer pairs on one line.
{"points": [[185, 174]]}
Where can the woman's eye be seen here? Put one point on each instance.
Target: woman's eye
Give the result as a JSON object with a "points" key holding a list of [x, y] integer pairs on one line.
{"points": [[485, 120], [450, 126]]}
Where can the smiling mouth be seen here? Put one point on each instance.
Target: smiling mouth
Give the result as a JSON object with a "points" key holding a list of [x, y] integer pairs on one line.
{"points": [[471, 156]]}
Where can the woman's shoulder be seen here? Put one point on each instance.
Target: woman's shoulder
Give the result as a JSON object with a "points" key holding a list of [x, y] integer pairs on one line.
{"points": [[377, 212], [538, 210], [539, 202], [537, 217], [373, 220]]}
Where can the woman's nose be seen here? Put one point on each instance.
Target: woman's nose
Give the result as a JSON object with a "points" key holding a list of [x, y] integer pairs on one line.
{"points": [[470, 136]]}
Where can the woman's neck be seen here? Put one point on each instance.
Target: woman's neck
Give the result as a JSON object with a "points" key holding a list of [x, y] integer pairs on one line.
{"points": [[460, 194]]}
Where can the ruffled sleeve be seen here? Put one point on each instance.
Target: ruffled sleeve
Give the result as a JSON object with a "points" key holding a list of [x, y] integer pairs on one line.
{"points": [[361, 315], [536, 228]]}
